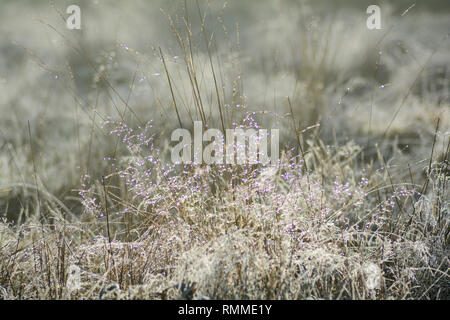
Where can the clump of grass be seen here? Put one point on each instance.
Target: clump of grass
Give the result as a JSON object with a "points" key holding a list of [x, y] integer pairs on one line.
{"points": [[241, 233]]}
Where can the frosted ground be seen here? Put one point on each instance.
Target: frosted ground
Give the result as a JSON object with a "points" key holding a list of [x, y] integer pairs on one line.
{"points": [[362, 213]]}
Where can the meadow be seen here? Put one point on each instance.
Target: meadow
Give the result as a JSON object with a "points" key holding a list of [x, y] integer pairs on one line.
{"points": [[356, 207]]}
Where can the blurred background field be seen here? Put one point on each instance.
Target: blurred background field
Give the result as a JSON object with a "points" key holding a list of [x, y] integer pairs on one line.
{"points": [[374, 96]]}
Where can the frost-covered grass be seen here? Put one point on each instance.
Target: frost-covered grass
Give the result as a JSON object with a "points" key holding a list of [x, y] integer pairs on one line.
{"points": [[92, 207]]}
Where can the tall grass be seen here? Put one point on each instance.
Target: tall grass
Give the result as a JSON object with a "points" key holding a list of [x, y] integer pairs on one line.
{"points": [[356, 208]]}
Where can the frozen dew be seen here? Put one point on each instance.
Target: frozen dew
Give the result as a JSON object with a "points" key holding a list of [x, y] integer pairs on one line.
{"points": [[373, 275], [74, 278]]}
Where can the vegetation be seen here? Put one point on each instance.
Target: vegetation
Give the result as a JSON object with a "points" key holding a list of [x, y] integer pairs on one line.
{"points": [[92, 207]]}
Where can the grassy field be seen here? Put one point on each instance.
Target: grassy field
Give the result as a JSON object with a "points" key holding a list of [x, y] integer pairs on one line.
{"points": [[92, 207]]}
